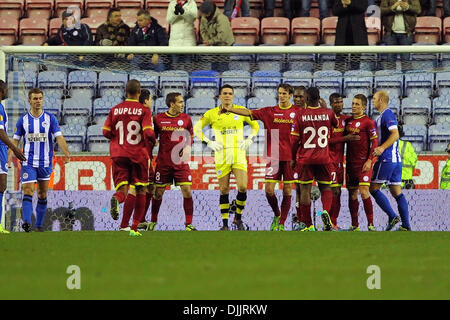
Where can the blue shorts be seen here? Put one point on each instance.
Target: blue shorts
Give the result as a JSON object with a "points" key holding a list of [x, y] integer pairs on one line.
{"points": [[3, 159], [31, 174], [389, 173]]}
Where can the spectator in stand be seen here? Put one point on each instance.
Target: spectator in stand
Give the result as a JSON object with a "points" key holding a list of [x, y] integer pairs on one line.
{"points": [[147, 32], [428, 7], [350, 29], [114, 32], [181, 16], [71, 33], [399, 20], [289, 8], [215, 27], [244, 7], [323, 8]]}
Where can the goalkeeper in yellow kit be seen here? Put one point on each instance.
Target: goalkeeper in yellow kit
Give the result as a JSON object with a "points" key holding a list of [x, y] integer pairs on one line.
{"points": [[229, 151]]}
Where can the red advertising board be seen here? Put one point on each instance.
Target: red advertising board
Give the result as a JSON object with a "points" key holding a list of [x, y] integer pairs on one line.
{"points": [[94, 173]]}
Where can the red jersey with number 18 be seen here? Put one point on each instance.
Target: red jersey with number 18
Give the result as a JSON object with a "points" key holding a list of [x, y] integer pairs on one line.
{"points": [[127, 126], [314, 126]]}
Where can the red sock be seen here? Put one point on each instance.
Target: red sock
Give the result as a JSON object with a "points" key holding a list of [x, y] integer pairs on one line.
{"points": [[138, 210], [285, 207], [354, 206], [120, 196], [148, 200], [368, 209], [155, 209], [335, 209], [327, 199], [128, 208], [273, 202], [305, 210], [188, 206]]}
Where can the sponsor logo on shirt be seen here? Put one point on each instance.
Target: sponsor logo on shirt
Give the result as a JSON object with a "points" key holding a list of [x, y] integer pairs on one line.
{"points": [[37, 137], [278, 120]]}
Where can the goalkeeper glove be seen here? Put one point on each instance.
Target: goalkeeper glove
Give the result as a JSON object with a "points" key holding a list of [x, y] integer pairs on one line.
{"points": [[246, 143], [216, 146]]}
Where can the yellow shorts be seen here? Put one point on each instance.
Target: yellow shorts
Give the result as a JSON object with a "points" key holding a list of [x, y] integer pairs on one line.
{"points": [[223, 170], [229, 159]]}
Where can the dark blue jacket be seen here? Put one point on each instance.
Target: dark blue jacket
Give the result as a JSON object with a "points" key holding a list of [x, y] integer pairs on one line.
{"points": [[155, 36], [72, 37]]}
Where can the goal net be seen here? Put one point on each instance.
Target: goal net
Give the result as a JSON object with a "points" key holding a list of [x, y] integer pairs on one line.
{"points": [[81, 85]]}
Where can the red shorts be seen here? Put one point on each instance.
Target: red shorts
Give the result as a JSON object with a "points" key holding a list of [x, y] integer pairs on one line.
{"points": [[277, 171], [355, 176], [167, 175], [319, 172], [127, 172], [337, 175]]}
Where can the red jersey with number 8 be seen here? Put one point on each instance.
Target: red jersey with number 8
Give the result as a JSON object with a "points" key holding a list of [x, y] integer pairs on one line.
{"points": [[127, 126], [314, 126]]}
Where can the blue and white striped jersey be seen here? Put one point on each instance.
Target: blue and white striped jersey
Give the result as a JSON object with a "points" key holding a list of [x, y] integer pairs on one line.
{"points": [[386, 122], [3, 122], [38, 134]]}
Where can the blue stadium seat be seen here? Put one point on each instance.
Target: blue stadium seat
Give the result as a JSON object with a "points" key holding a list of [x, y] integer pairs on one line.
{"points": [[298, 78], [304, 62], [204, 83], [112, 84], [417, 82], [438, 137], [75, 136], [417, 135], [82, 83], [261, 101], [57, 62], [328, 82], [239, 101], [52, 83], [77, 110], [149, 80], [199, 105], [241, 61], [174, 81], [442, 83], [240, 80], [424, 61], [416, 109], [389, 81], [270, 62], [95, 141], [160, 105], [265, 83], [19, 106], [358, 82], [394, 105], [52, 103], [26, 62], [441, 109], [102, 106]]}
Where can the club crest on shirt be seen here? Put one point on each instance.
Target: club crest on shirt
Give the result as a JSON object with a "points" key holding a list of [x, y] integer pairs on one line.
{"points": [[25, 175], [45, 124], [366, 178], [190, 178], [236, 117], [292, 115], [357, 124], [180, 122]]}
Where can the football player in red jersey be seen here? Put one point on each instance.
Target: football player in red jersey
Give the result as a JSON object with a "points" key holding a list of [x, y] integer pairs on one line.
{"points": [[337, 143], [278, 122], [310, 139], [146, 100], [127, 127], [175, 132], [360, 160]]}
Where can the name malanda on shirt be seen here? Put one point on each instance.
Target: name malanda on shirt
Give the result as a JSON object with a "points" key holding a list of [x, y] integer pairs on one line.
{"points": [[315, 117]]}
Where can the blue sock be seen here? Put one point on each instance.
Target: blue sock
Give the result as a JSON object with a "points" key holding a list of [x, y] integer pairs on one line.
{"points": [[1, 205], [27, 208], [403, 210], [41, 209], [384, 204]]}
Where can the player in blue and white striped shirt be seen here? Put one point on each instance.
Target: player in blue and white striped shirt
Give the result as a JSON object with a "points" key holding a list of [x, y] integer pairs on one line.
{"points": [[5, 143], [388, 169], [38, 128]]}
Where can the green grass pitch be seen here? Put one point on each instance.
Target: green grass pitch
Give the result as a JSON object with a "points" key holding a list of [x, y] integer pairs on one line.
{"points": [[225, 265]]}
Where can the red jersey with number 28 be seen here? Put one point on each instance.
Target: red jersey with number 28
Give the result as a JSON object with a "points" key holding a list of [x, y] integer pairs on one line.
{"points": [[127, 126], [174, 133], [314, 126]]}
